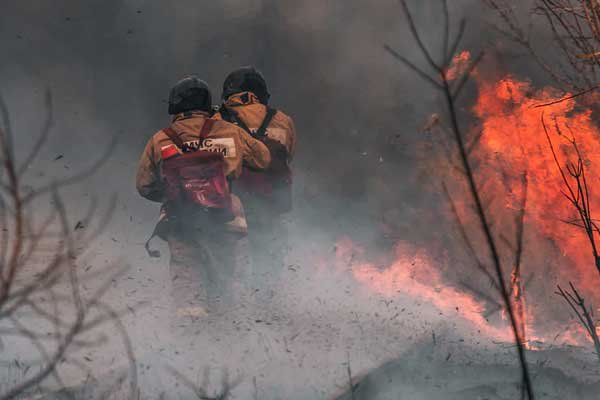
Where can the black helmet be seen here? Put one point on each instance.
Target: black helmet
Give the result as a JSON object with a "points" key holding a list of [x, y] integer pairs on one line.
{"points": [[189, 94], [246, 79]]}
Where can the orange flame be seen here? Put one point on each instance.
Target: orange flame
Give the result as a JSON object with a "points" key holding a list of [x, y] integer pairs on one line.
{"points": [[413, 273], [459, 66], [513, 143], [514, 140]]}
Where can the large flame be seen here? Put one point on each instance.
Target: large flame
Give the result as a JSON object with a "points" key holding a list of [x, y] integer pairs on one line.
{"points": [[513, 145], [514, 140]]}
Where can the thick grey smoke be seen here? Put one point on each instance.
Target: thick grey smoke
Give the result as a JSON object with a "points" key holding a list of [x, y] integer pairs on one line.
{"points": [[109, 65]]}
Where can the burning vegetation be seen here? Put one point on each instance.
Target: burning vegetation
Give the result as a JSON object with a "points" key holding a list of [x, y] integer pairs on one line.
{"points": [[534, 150], [517, 183]]}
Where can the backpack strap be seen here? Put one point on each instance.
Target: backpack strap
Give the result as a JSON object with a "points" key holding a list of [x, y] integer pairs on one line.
{"points": [[235, 119], [170, 132], [206, 127], [231, 116], [262, 130], [225, 114], [154, 253]]}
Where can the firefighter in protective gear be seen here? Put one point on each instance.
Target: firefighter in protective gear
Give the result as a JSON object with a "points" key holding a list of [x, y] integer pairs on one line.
{"points": [[202, 242], [266, 194]]}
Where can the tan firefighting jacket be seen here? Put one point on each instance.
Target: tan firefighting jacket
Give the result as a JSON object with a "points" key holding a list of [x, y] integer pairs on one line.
{"points": [[252, 112], [237, 146]]}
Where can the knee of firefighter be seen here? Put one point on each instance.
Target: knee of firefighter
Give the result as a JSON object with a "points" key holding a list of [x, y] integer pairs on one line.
{"points": [[187, 253], [187, 280]]}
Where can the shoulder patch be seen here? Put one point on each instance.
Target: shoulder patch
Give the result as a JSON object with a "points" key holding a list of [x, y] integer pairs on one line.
{"points": [[168, 151]]}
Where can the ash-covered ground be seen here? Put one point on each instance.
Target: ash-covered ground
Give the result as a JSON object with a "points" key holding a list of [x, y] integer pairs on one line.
{"points": [[109, 65]]}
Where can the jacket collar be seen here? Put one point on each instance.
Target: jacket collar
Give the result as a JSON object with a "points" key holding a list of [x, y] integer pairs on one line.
{"points": [[190, 114], [241, 99]]}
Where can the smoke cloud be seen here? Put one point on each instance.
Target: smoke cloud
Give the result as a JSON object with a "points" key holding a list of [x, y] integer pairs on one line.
{"points": [[359, 113]]}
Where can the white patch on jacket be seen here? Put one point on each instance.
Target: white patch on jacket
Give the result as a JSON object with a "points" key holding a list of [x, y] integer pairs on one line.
{"points": [[279, 134], [225, 146]]}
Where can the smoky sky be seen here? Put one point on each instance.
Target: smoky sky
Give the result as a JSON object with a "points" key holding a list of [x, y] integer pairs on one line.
{"points": [[109, 65], [116, 60]]}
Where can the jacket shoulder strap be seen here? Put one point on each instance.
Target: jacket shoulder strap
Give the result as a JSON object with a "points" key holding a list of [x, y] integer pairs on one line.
{"points": [[262, 130], [170, 132]]}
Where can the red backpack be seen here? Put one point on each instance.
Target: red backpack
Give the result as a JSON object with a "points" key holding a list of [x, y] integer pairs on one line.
{"points": [[195, 178]]}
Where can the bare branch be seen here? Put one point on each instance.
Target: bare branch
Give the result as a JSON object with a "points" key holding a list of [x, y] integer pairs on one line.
{"points": [[484, 224], [583, 313], [412, 66]]}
